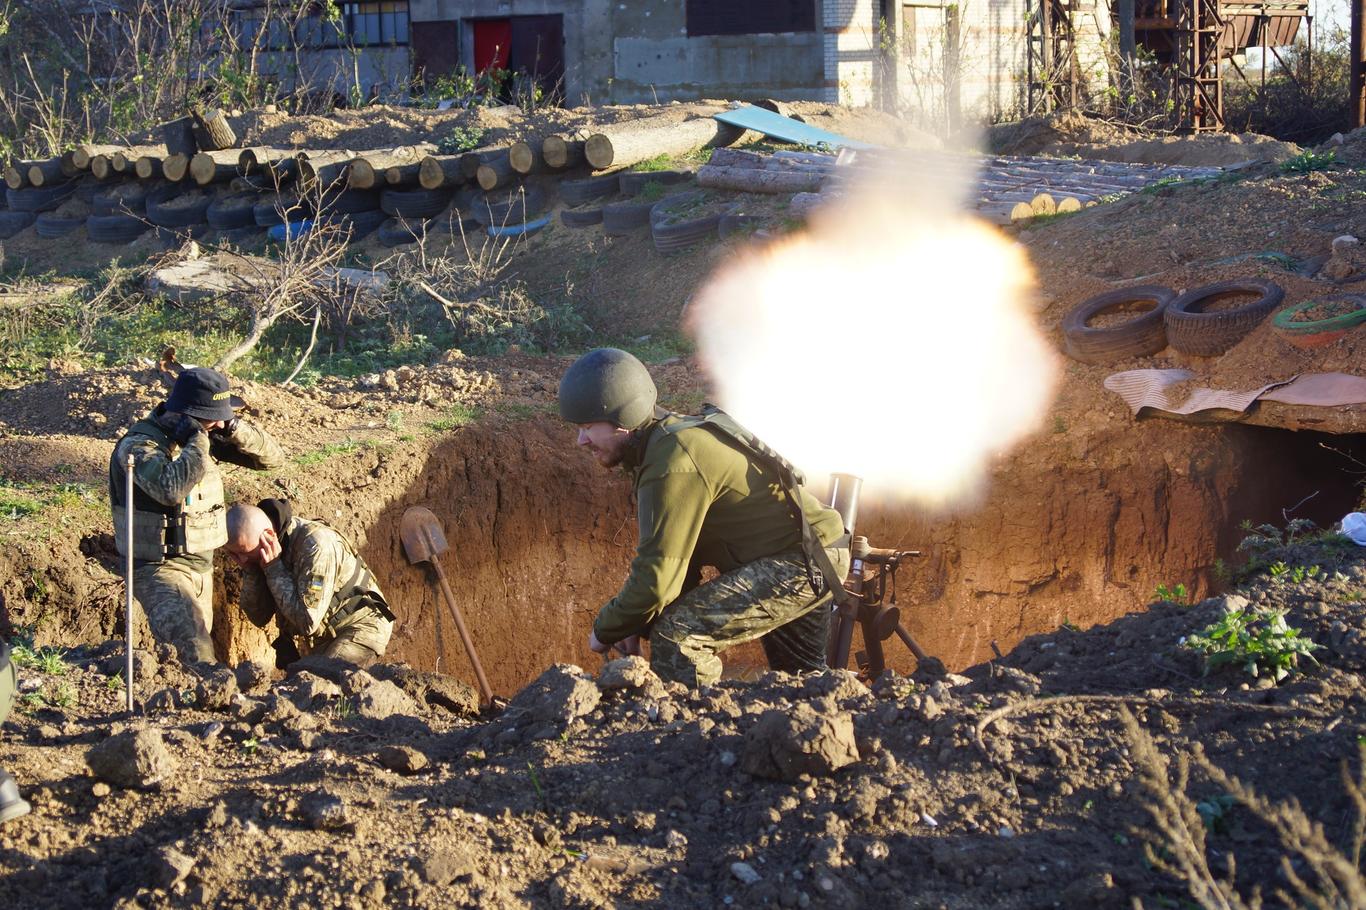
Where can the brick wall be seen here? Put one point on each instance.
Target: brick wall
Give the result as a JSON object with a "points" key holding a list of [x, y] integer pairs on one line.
{"points": [[850, 42]]}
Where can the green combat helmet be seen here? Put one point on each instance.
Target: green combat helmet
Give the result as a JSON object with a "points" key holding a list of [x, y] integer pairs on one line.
{"points": [[11, 805], [608, 384]]}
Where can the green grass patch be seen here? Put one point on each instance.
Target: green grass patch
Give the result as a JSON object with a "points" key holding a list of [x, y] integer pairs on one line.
{"points": [[457, 416], [1309, 160], [657, 163], [659, 346], [318, 456], [24, 500]]}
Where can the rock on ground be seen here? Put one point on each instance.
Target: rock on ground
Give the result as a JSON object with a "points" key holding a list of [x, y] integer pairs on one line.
{"points": [[558, 696], [134, 758], [785, 744]]}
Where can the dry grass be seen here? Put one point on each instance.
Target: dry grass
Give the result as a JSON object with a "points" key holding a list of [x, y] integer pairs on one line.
{"points": [[1334, 880]]}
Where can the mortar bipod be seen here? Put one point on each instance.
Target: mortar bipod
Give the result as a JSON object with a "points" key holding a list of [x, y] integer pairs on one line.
{"points": [[869, 570]]}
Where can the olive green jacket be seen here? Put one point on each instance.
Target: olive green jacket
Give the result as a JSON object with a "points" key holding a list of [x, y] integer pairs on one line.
{"points": [[702, 501]]}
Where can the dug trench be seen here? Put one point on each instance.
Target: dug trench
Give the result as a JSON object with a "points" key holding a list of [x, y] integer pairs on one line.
{"points": [[539, 537]]}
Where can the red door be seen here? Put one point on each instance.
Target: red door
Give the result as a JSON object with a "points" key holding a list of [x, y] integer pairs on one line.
{"points": [[492, 43]]}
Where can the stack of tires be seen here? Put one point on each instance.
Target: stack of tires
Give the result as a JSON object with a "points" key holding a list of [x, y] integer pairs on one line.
{"points": [[118, 213], [355, 212], [179, 214], [27, 203], [410, 212], [1159, 317]]}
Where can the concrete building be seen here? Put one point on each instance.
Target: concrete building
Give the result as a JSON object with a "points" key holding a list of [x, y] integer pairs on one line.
{"points": [[941, 62], [600, 51]]}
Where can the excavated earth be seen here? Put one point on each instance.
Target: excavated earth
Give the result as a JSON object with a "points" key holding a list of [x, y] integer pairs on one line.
{"points": [[1072, 531], [1016, 785]]}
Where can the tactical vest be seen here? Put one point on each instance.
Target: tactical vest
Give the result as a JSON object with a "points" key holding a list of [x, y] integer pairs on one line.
{"points": [[356, 593], [790, 480], [197, 524]]}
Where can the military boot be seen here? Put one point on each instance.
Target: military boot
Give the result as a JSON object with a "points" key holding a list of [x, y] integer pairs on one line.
{"points": [[12, 805]]}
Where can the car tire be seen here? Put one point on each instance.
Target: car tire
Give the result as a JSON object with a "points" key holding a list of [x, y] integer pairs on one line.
{"points": [[581, 217], [1191, 331], [160, 213], [630, 183], [51, 227], [227, 213], [622, 218], [12, 223], [115, 228], [586, 189], [1141, 336], [415, 204], [39, 198]]}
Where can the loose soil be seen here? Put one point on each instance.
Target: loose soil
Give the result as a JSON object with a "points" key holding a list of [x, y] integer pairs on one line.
{"points": [[1014, 785], [1073, 530]]}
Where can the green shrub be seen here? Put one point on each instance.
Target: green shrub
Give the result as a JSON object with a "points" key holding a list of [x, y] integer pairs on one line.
{"points": [[1259, 641]]}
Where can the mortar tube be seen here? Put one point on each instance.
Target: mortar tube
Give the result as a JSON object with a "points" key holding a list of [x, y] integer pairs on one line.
{"points": [[844, 499]]}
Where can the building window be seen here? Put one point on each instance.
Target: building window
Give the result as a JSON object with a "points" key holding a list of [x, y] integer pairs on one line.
{"points": [[751, 17], [370, 24]]}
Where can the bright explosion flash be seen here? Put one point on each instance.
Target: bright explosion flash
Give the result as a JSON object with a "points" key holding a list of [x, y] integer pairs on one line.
{"points": [[895, 339]]}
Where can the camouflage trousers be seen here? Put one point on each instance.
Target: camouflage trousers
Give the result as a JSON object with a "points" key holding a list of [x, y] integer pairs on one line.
{"points": [[769, 599], [176, 595], [360, 638]]}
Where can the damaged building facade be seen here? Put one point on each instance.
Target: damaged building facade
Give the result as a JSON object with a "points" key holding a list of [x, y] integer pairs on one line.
{"points": [[941, 63]]}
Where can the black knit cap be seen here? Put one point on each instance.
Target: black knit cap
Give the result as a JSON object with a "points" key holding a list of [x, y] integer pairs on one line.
{"points": [[203, 393]]}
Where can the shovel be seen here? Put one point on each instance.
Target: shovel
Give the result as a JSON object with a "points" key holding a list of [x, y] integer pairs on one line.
{"points": [[423, 541]]}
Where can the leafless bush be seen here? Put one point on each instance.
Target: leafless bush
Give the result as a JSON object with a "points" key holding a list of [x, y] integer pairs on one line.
{"points": [[1178, 848], [301, 279]]}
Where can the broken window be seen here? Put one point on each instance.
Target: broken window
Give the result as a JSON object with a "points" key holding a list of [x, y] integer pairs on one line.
{"points": [[376, 23], [727, 17]]}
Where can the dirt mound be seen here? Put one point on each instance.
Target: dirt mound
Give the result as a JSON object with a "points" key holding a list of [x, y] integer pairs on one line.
{"points": [[1071, 133], [381, 126], [959, 792]]}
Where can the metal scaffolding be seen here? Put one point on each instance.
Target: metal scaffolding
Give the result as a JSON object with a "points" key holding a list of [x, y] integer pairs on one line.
{"points": [[1199, 87], [1053, 72]]}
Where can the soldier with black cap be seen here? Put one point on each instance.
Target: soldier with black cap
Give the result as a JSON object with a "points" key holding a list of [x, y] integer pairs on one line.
{"points": [[179, 516]]}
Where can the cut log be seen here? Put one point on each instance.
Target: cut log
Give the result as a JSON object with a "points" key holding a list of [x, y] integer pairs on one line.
{"points": [[212, 167], [525, 158], [82, 155], [367, 171], [755, 180], [470, 161], [124, 160], [1043, 204], [148, 167], [178, 134], [261, 159], [437, 171], [625, 144], [495, 172], [175, 168], [16, 174], [1069, 204], [102, 166], [213, 132], [561, 151], [45, 173], [324, 170], [403, 174]]}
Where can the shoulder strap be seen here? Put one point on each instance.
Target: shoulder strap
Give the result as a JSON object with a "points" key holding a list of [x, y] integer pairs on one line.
{"points": [[790, 479]]}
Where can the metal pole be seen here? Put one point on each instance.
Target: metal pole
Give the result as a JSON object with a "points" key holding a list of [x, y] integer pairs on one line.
{"points": [[128, 594], [1357, 66]]}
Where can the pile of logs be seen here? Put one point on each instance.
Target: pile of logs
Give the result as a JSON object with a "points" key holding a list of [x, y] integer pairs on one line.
{"points": [[203, 150]]}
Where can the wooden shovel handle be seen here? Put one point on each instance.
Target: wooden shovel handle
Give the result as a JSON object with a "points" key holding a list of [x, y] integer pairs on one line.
{"points": [[484, 690]]}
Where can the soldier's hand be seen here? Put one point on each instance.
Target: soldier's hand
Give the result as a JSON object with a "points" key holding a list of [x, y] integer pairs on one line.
{"points": [[185, 429], [628, 646], [596, 646], [229, 428], [269, 548]]}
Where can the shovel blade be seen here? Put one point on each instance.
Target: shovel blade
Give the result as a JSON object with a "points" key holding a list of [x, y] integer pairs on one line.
{"points": [[421, 534]]}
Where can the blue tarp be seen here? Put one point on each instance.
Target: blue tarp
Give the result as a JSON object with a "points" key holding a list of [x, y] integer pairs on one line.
{"points": [[777, 126]]}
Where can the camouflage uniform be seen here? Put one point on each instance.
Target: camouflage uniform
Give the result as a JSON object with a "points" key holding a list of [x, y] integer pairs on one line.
{"points": [[705, 501], [179, 520], [324, 594]]}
